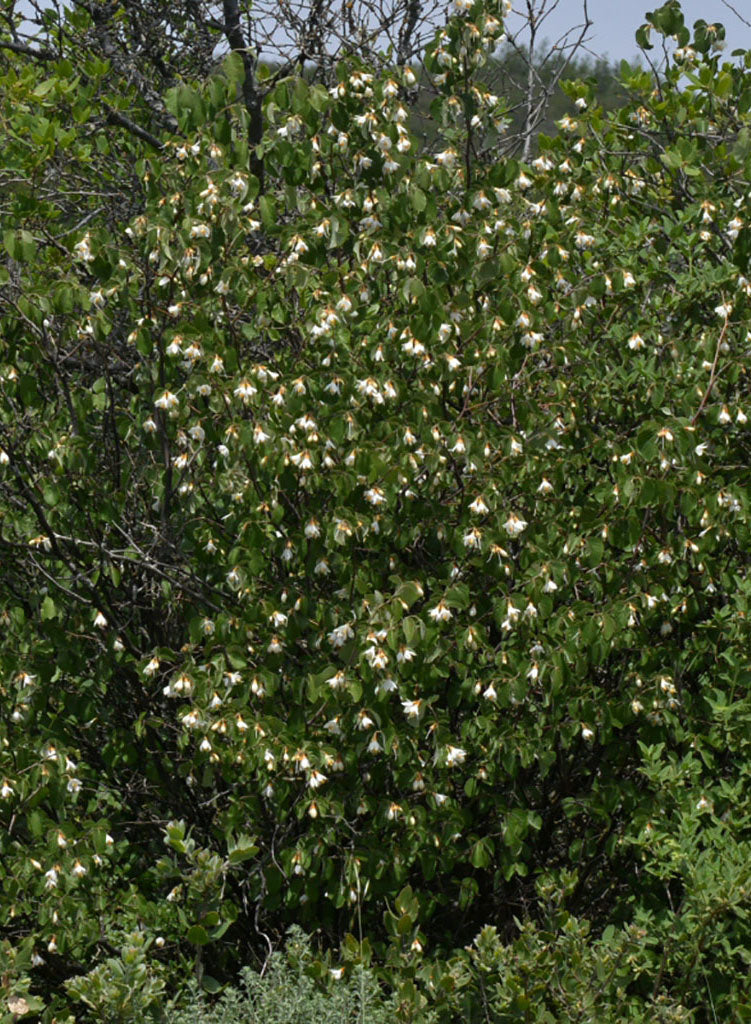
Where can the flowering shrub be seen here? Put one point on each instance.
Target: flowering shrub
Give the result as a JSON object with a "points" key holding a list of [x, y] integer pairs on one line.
{"points": [[384, 525]]}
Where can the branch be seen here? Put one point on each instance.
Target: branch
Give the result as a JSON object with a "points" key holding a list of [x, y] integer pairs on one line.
{"points": [[115, 117], [739, 16], [712, 373], [251, 95], [27, 51]]}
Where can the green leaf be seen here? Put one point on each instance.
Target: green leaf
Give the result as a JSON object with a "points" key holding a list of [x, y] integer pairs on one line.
{"points": [[234, 68], [197, 935], [267, 209], [44, 88]]}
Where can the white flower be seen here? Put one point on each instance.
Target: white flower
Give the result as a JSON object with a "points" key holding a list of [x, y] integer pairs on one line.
{"points": [[6, 791], [587, 733], [245, 390], [342, 530], [550, 587], [312, 529], [514, 525], [316, 779], [167, 401], [78, 869], [455, 756], [473, 538], [376, 657], [338, 681], [364, 721], [478, 506], [441, 612], [99, 621], [152, 667], [411, 708], [704, 804], [374, 747], [545, 486], [336, 973], [375, 496], [340, 635]]}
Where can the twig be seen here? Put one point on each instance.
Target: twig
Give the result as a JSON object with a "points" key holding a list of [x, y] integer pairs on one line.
{"points": [[739, 16], [712, 373]]}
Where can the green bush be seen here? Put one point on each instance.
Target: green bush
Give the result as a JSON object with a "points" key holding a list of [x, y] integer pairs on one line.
{"points": [[287, 993], [375, 538]]}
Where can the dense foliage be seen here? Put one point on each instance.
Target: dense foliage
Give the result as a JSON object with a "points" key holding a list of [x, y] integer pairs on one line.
{"points": [[375, 524]]}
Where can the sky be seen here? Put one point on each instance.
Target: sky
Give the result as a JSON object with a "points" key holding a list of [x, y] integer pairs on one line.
{"points": [[616, 21]]}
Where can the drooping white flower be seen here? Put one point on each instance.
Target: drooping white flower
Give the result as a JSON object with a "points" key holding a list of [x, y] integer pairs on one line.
{"points": [[364, 721], [375, 496], [455, 756], [473, 538], [441, 612], [514, 525], [340, 635], [167, 401], [412, 708], [316, 779]]}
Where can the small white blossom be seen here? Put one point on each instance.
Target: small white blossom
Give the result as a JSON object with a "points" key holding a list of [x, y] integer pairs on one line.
{"points": [[514, 525], [455, 756], [411, 708], [441, 612]]}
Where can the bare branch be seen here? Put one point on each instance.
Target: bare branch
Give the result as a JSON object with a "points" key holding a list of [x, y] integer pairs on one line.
{"points": [[735, 12]]}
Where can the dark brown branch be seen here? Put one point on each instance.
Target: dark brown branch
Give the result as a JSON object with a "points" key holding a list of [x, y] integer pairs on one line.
{"points": [[115, 117], [250, 93]]}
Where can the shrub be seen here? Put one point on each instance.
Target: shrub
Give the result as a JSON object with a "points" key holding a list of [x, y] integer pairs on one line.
{"points": [[286, 993], [376, 529]]}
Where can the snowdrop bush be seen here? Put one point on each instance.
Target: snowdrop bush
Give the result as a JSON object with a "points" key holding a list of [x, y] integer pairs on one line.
{"points": [[491, 413]]}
